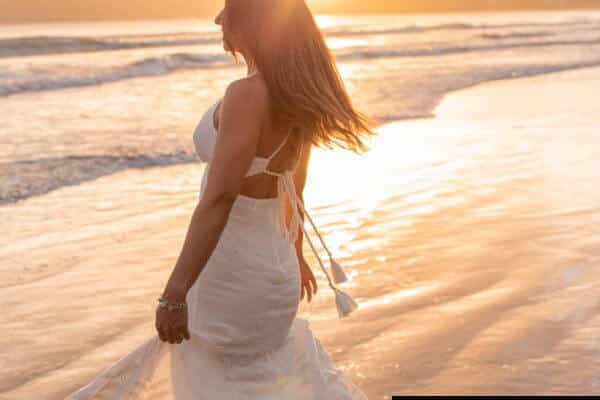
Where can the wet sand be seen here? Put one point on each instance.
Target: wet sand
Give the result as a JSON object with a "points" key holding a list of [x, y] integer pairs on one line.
{"points": [[472, 239]]}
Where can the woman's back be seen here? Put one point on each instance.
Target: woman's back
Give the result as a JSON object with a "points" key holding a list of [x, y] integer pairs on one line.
{"points": [[279, 148]]}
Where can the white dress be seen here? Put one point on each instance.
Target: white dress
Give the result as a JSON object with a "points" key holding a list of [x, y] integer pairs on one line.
{"points": [[246, 341]]}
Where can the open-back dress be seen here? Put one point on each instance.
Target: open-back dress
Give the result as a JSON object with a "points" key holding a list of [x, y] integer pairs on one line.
{"points": [[246, 340]]}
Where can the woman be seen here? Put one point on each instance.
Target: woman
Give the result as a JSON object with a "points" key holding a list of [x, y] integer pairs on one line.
{"points": [[228, 312]]}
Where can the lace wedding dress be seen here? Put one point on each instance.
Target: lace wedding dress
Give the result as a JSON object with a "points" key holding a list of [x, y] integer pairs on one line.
{"points": [[246, 341]]}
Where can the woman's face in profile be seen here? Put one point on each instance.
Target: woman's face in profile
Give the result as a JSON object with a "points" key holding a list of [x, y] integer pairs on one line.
{"points": [[219, 20]]}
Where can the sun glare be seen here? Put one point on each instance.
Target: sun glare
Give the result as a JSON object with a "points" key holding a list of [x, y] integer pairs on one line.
{"points": [[325, 21]]}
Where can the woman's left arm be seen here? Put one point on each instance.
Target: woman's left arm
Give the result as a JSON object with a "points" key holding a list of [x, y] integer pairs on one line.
{"points": [[244, 105]]}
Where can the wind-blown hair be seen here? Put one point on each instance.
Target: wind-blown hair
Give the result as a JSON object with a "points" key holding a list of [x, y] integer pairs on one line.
{"points": [[305, 88]]}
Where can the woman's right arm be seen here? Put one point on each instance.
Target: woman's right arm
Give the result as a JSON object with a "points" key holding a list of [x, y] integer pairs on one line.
{"points": [[300, 175]]}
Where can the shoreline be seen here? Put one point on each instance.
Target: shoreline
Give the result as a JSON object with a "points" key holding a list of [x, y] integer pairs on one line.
{"points": [[144, 162], [350, 14], [432, 115]]}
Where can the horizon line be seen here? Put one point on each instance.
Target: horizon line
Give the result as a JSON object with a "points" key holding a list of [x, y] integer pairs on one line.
{"points": [[333, 14]]}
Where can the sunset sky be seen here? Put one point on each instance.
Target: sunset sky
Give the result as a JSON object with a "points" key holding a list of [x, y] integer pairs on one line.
{"points": [[40, 10]]}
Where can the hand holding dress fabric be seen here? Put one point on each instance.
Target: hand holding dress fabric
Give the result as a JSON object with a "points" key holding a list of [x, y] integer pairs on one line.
{"points": [[172, 325]]}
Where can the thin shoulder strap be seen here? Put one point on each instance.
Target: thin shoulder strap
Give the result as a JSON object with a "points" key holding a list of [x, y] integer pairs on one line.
{"points": [[283, 142], [291, 170]]}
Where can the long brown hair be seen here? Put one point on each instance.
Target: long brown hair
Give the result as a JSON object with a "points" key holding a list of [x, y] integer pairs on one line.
{"points": [[304, 84]]}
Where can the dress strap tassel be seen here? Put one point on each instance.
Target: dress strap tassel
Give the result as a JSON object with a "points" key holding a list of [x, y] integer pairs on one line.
{"points": [[345, 304], [339, 276]]}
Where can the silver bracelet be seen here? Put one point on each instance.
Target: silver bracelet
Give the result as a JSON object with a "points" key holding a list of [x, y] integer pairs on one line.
{"points": [[164, 303]]}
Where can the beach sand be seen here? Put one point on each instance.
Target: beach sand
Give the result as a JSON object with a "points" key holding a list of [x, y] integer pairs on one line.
{"points": [[472, 239]]}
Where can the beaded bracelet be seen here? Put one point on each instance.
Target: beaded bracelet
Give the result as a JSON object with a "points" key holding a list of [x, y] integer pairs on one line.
{"points": [[164, 303]]}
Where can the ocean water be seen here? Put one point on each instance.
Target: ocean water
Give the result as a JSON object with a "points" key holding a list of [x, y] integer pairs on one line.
{"points": [[81, 101]]}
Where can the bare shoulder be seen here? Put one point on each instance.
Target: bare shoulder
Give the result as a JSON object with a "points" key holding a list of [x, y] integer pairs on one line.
{"points": [[248, 96]]}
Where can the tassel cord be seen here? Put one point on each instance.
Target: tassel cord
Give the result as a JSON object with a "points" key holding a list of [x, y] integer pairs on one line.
{"points": [[304, 212], [344, 303], [298, 208], [312, 246], [286, 184]]}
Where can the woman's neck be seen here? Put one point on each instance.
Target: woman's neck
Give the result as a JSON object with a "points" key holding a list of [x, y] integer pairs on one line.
{"points": [[252, 70]]}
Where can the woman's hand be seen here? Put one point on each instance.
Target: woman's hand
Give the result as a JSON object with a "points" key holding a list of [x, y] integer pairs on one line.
{"points": [[308, 283], [172, 325]]}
